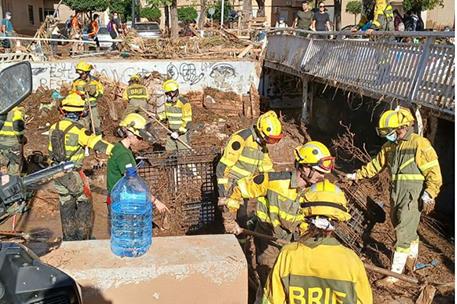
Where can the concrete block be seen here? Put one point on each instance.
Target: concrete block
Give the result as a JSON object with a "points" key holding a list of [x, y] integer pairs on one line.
{"points": [[181, 269]]}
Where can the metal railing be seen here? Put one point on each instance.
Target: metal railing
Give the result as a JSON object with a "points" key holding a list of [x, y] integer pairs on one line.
{"points": [[378, 66]]}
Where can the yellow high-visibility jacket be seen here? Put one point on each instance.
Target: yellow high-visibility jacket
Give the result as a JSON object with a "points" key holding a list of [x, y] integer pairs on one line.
{"points": [[243, 156], [411, 162], [93, 87], [178, 114], [318, 271], [135, 91], [278, 201], [76, 139], [383, 15], [12, 127]]}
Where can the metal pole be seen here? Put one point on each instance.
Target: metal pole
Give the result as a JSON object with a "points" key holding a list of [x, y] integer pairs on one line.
{"points": [[133, 13], [222, 13]]}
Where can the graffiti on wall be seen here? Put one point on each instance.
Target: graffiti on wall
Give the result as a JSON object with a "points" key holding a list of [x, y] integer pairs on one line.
{"points": [[234, 76]]}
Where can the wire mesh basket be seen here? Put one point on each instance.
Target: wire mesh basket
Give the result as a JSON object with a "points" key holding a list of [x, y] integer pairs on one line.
{"points": [[187, 180]]}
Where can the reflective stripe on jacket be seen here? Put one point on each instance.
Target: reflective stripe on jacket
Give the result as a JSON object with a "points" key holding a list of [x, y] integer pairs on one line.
{"points": [[12, 125], [317, 271], [96, 89], [178, 114], [278, 201], [136, 91], [412, 161], [243, 157], [76, 139]]}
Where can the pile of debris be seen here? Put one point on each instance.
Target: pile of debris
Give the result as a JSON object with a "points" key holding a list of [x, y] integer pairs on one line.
{"points": [[214, 44]]}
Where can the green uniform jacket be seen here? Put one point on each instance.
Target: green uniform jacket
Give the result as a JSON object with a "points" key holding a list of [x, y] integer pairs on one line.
{"points": [[120, 157]]}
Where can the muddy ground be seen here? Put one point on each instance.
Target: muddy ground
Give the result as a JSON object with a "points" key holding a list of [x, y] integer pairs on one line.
{"points": [[211, 129]]}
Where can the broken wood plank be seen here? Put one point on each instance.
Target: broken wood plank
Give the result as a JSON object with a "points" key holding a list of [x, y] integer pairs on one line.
{"points": [[245, 51]]}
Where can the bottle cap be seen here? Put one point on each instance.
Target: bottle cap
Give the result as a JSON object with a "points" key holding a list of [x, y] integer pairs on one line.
{"points": [[131, 171]]}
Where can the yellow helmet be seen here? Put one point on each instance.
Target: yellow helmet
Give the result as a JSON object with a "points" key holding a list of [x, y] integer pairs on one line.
{"points": [[73, 103], [137, 124], [84, 67], [316, 155], [135, 77], [170, 85], [325, 199], [270, 127], [393, 119], [133, 122]]}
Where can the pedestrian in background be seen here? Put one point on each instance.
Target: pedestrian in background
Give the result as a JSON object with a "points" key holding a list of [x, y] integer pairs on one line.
{"points": [[75, 33], [321, 22], [114, 29], [304, 18], [7, 30], [94, 28]]}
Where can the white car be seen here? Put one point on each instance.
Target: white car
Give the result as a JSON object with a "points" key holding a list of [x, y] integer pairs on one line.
{"points": [[147, 30]]}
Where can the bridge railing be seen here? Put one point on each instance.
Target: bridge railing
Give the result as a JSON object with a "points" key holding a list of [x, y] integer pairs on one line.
{"points": [[421, 72]]}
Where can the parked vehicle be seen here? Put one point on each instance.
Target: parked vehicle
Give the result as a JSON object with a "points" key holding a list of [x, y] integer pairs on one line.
{"points": [[148, 30]]}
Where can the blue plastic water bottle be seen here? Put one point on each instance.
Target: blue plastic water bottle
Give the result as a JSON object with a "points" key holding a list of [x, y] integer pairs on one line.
{"points": [[131, 216]]}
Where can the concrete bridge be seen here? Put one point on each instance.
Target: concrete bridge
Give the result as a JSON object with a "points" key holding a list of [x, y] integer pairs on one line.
{"points": [[380, 67]]}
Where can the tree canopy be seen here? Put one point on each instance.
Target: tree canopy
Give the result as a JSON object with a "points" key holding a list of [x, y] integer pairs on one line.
{"points": [[187, 14], [151, 13], [422, 5], [354, 7], [88, 6]]}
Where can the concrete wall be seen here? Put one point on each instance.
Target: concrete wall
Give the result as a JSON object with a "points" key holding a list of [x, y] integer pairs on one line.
{"points": [[187, 269], [193, 75]]}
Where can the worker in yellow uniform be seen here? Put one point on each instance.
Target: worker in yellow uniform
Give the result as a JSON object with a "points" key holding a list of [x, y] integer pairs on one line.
{"points": [[383, 19], [415, 177], [12, 139], [246, 152], [318, 269], [177, 111], [67, 142], [278, 200], [91, 90], [137, 96], [382, 14]]}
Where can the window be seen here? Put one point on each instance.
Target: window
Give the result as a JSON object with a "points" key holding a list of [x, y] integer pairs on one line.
{"points": [[31, 19], [40, 14], [48, 12]]}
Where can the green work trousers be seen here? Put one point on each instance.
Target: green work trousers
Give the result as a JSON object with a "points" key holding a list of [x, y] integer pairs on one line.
{"points": [[11, 157], [75, 206], [405, 211], [135, 105], [97, 123], [173, 145]]}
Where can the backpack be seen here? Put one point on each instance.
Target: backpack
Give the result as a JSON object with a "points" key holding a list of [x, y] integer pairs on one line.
{"points": [[58, 153], [109, 26]]}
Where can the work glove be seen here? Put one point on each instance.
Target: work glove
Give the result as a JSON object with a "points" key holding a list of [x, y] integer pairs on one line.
{"points": [[221, 201], [428, 203], [351, 176], [229, 216], [174, 135]]}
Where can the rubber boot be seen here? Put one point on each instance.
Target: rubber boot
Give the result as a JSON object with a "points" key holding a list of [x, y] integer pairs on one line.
{"points": [[398, 264], [68, 219], [412, 257]]}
